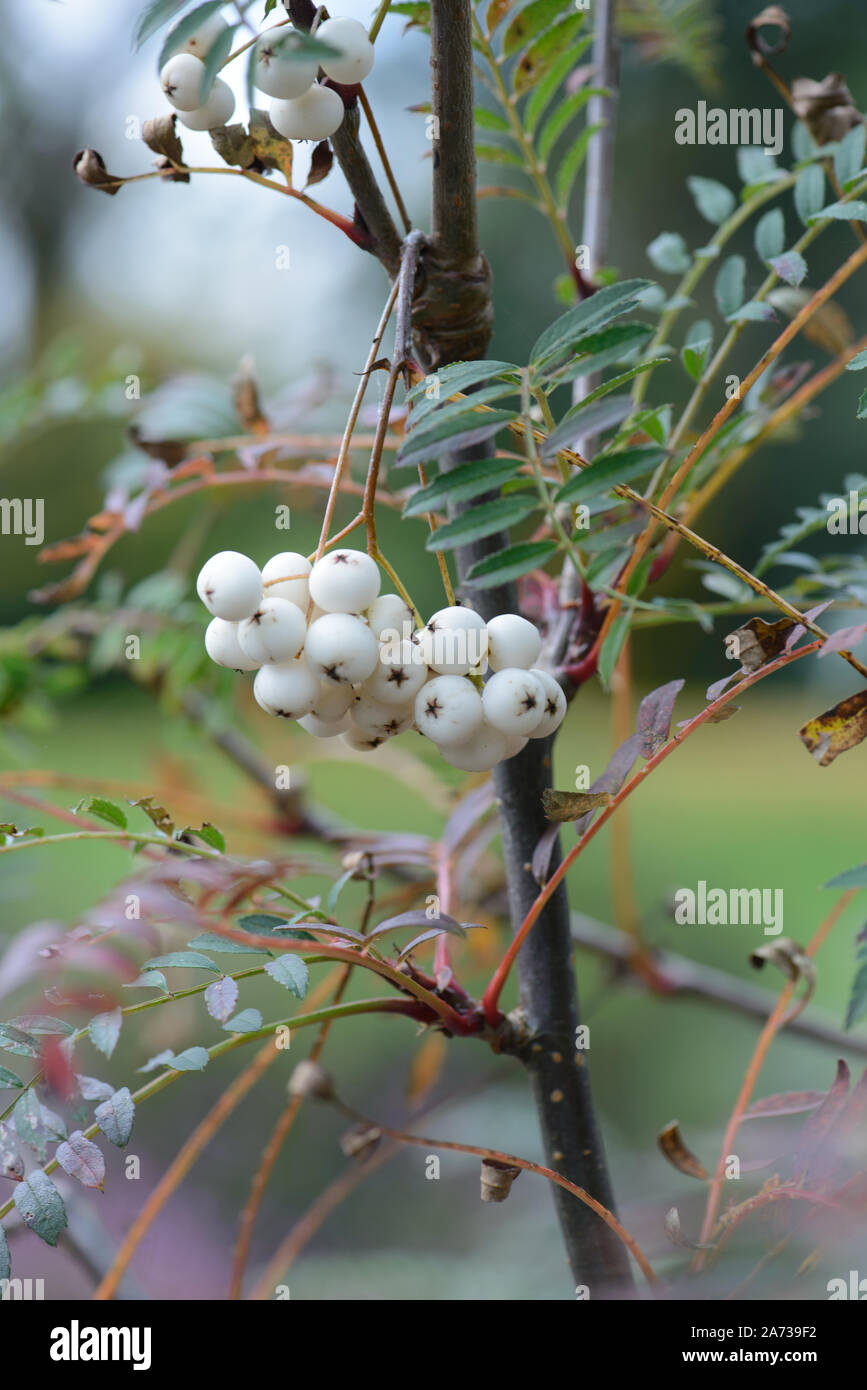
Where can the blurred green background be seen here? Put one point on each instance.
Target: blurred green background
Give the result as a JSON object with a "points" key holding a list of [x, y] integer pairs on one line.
{"points": [[166, 280]]}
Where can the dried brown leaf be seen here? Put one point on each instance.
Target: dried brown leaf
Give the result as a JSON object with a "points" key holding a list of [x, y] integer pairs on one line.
{"points": [[827, 108], [840, 728], [759, 642], [674, 1149], [321, 163], [566, 806], [772, 17], [89, 166]]}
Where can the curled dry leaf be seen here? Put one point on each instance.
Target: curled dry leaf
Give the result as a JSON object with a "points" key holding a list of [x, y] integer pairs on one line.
{"points": [[321, 162], [789, 957], [497, 1179], [160, 135], [759, 642], [771, 17], [840, 728], [89, 166], [827, 108], [674, 1149], [566, 806], [235, 146]]}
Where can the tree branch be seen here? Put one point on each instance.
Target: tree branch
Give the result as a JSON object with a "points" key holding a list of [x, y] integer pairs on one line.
{"points": [[453, 320]]}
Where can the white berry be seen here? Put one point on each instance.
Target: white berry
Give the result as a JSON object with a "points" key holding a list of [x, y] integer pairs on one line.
{"points": [[216, 111], [399, 674], [202, 39], [512, 641], [453, 641], [555, 704], [314, 116], [355, 50], [389, 614], [362, 743], [223, 647], [483, 751], [341, 648], [292, 570], [332, 701], [515, 743], [277, 73], [372, 717], [230, 585], [323, 728], [288, 690], [344, 581], [514, 701], [448, 710], [275, 632], [182, 80]]}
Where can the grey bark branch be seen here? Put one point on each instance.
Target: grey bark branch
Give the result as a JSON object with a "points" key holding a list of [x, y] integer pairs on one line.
{"points": [[453, 320]]}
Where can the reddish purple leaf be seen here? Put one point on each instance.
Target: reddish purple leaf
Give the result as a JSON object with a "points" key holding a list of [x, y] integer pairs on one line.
{"points": [[843, 639], [654, 717]]}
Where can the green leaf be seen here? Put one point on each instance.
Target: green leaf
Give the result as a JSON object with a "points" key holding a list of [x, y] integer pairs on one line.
{"points": [[459, 376], [44, 1024], [809, 192], [115, 1117], [850, 878], [853, 211], [15, 1041], [861, 413], [5, 1261], [247, 1021], [790, 267], [572, 164], [857, 1007], [81, 1159], [105, 810], [608, 470], [615, 343], [153, 17], [585, 318], [210, 834], [770, 236], [105, 1031], [454, 434], [491, 120], [482, 521], [530, 21], [192, 1059], [573, 423], [462, 483], [291, 972], [541, 55], [150, 979], [858, 362], [849, 154], [562, 117], [40, 1206], [511, 563], [262, 923], [183, 960], [175, 41], [612, 647], [729, 285], [444, 409], [714, 201], [35, 1124], [756, 311], [215, 58], [668, 253], [210, 941], [9, 1079], [499, 154], [545, 89], [92, 1088]]}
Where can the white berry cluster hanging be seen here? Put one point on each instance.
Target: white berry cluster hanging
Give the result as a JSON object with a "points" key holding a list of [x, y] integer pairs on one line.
{"points": [[302, 108], [344, 660]]}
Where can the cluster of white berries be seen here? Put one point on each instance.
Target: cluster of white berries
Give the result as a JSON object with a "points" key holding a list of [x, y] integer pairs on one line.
{"points": [[301, 107], [344, 660]]}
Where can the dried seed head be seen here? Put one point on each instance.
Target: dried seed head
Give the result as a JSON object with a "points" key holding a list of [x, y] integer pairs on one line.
{"points": [[310, 1080], [360, 1141]]}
